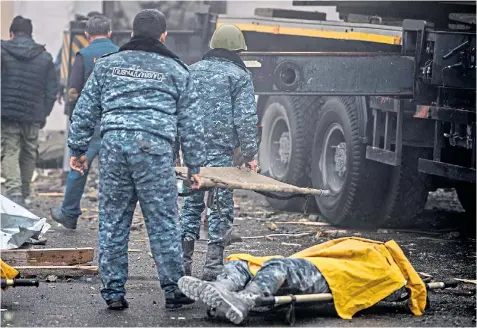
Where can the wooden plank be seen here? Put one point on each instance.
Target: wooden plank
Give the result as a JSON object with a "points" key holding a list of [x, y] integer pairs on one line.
{"points": [[304, 223], [467, 281], [47, 256], [60, 271], [51, 194]]}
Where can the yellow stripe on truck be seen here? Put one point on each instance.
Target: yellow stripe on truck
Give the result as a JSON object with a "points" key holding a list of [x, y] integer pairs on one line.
{"points": [[357, 36], [82, 40]]}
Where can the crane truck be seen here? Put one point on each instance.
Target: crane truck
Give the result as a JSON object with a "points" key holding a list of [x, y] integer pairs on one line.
{"points": [[378, 107]]}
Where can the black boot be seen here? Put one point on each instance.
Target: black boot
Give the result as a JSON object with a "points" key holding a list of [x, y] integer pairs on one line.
{"points": [[176, 299], [214, 262], [188, 251], [233, 306], [118, 305], [58, 216]]}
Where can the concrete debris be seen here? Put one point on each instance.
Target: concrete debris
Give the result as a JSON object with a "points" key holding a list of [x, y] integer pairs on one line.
{"points": [[451, 235], [51, 278], [272, 227]]}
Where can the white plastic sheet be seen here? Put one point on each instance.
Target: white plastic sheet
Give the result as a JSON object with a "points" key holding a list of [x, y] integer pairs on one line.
{"points": [[18, 225]]}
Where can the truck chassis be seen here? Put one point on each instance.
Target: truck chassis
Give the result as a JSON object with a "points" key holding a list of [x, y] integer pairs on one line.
{"points": [[416, 106]]}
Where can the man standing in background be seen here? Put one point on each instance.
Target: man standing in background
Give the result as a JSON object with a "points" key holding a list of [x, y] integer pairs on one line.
{"points": [[60, 95], [98, 32], [28, 90]]}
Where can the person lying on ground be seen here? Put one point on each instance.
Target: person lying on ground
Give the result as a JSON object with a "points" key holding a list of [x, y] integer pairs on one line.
{"points": [[358, 272]]}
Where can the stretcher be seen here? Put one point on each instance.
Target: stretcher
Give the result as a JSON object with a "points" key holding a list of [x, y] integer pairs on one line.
{"points": [[245, 179], [266, 304]]}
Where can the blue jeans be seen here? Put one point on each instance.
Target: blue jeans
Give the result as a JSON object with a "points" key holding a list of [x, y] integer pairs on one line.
{"points": [[75, 183]]}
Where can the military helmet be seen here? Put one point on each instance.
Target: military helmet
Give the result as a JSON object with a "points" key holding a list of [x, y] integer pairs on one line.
{"points": [[228, 37]]}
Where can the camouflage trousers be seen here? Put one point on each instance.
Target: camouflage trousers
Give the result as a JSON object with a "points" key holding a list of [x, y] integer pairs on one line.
{"points": [[19, 153], [137, 166], [221, 210], [277, 276], [283, 276]]}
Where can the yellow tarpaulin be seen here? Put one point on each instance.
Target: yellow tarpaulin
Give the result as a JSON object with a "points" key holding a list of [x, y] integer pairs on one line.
{"points": [[7, 271], [360, 272]]}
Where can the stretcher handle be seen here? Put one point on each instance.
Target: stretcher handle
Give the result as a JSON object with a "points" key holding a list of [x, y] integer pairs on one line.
{"points": [[442, 284], [324, 297], [278, 300], [19, 283]]}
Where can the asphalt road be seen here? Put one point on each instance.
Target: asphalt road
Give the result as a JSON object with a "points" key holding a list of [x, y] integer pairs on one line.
{"points": [[442, 253]]}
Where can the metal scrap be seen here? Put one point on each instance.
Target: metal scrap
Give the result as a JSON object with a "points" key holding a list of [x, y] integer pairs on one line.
{"points": [[18, 225]]}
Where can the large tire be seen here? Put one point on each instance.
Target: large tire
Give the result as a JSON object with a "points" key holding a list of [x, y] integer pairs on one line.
{"points": [[339, 164], [287, 125], [408, 189]]}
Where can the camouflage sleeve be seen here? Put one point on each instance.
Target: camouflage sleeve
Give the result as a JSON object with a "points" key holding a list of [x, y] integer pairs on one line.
{"points": [[245, 116], [191, 128], [85, 116]]}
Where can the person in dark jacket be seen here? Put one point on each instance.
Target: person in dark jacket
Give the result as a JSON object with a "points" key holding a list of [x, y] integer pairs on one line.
{"points": [[98, 32], [28, 94]]}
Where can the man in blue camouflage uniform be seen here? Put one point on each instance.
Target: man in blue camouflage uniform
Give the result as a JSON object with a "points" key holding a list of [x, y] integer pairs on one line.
{"points": [[227, 103], [233, 294], [144, 96]]}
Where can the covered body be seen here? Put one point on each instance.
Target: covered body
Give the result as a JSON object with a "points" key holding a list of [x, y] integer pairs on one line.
{"points": [[359, 272]]}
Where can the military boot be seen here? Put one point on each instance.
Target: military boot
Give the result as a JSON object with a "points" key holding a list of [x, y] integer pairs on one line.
{"points": [[193, 287], [214, 262], [188, 251], [118, 305], [233, 306], [176, 299]]}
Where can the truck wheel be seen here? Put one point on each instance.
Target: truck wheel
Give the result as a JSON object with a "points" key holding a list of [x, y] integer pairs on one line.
{"points": [[284, 150], [339, 164], [408, 189]]}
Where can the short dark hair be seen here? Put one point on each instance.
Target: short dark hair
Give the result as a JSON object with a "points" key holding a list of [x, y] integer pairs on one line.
{"points": [[149, 23], [21, 25], [98, 25]]}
